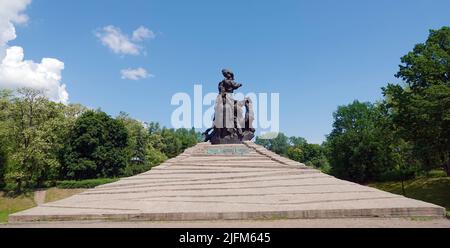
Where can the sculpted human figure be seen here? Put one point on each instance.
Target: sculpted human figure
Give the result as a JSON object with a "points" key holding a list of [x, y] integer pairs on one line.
{"points": [[228, 85], [230, 126]]}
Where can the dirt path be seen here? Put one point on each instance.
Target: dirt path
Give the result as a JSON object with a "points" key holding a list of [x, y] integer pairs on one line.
{"points": [[39, 196]]}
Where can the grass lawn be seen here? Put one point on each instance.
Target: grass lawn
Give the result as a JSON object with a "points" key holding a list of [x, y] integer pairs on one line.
{"points": [[10, 205], [84, 184], [433, 190], [55, 194], [64, 189]]}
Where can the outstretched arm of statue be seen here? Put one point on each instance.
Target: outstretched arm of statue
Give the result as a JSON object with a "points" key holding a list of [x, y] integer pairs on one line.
{"points": [[236, 85]]}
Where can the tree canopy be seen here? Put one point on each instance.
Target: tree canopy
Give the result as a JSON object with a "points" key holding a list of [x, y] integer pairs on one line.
{"points": [[42, 142], [421, 106], [298, 149], [361, 144], [96, 147]]}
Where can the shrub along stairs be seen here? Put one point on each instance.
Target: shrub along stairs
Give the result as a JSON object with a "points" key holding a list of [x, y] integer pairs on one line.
{"points": [[229, 182]]}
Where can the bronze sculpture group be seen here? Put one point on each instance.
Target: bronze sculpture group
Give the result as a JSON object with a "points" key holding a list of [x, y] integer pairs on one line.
{"points": [[230, 126]]}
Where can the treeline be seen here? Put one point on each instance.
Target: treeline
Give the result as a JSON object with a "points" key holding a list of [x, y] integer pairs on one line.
{"points": [[42, 142], [298, 149], [404, 135]]}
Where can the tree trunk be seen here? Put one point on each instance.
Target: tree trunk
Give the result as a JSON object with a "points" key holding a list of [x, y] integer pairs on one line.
{"points": [[403, 187], [447, 165], [447, 168]]}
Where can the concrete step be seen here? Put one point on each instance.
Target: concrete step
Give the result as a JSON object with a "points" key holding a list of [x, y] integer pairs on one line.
{"points": [[229, 182]]}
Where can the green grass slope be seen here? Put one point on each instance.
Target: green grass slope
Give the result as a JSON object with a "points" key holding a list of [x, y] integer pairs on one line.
{"points": [[432, 190], [10, 205]]}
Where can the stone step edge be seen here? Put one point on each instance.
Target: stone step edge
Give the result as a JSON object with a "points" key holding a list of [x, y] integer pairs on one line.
{"points": [[189, 152], [275, 157], [241, 215]]}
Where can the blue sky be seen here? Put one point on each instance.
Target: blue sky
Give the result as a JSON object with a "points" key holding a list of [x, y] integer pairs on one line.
{"points": [[316, 54]]}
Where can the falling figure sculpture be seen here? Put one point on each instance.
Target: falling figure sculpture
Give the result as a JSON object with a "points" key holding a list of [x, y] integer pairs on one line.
{"points": [[229, 125]]}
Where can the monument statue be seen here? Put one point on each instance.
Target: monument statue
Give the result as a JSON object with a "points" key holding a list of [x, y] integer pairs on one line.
{"points": [[230, 126]]}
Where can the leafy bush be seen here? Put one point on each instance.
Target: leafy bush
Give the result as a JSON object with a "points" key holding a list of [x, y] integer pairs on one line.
{"points": [[396, 175], [135, 169], [84, 184], [435, 174], [96, 147]]}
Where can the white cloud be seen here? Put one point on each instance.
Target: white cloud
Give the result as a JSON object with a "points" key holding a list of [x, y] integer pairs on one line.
{"points": [[15, 72], [135, 74], [120, 43], [10, 13], [142, 33]]}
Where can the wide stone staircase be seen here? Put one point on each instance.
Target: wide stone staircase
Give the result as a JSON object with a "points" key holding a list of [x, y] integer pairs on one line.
{"points": [[229, 182]]}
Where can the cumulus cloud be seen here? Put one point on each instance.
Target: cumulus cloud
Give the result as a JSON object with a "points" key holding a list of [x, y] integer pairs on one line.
{"points": [[113, 38], [11, 12], [142, 33], [120, 43], [135, 74], [15, 72]]}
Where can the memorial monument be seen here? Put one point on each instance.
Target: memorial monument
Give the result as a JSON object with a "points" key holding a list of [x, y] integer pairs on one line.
{"points": [[230, 126], [219, 181]]}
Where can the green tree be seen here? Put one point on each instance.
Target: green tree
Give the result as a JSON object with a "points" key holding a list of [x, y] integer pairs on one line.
{"points": [[421, 107], [297, 141], [155, 145], [262, 142], [154, 157], [296, 153], [144, 146], [173, 142], [37, 131], [314, 155], [298, 149], [3, 162], [154, 127], [97, 147], [279, 144], [136, 147], [139, 152], [3, 157], [360, 148], [73, 111], [188, 138], [5, 97], [310, 154]]}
